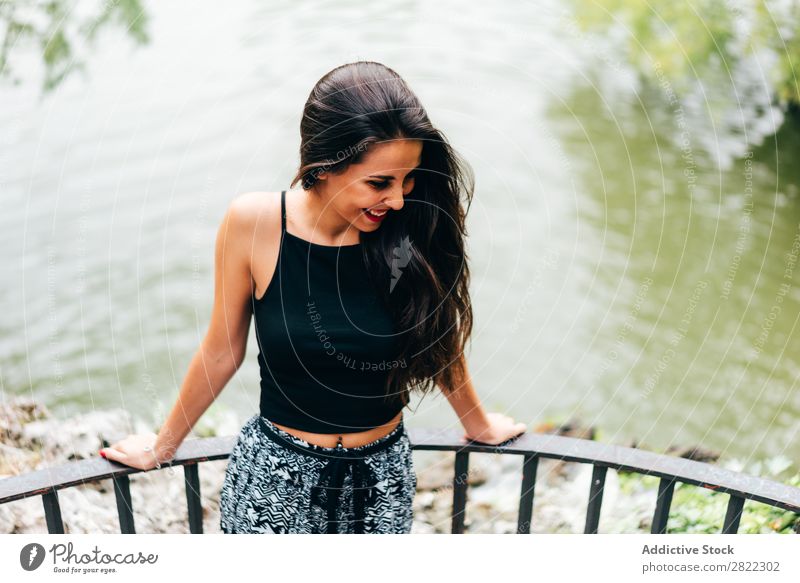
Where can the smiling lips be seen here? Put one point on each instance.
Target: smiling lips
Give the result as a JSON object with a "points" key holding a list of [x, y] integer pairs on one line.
{"points": [[375, 215]]}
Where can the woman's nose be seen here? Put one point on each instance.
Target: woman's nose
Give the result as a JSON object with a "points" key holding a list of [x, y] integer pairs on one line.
{"points": [[395, 202]]}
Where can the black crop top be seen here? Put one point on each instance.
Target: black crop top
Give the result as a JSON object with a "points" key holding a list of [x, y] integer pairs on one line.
{"points": [[326, 344]]}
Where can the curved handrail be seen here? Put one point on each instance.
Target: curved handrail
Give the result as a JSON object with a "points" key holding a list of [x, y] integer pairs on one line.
{"points": [[47, 481]]}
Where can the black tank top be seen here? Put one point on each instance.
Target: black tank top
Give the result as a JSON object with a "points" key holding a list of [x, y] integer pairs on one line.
{"points": [[326, 343]]}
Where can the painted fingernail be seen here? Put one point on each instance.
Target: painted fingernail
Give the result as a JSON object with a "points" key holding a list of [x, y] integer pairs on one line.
{"points": [[102, 453]]}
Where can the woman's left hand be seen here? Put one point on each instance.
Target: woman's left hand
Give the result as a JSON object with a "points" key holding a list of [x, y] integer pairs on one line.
{"points": [[136, 451], [501, 428]]}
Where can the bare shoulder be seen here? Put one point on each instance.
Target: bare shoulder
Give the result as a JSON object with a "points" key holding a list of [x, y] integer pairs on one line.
{"points": [[253, 216], [252, 209], [256, 218]]}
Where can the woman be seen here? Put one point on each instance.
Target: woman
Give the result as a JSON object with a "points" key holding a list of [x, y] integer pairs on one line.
{"points": [[358, 285]]}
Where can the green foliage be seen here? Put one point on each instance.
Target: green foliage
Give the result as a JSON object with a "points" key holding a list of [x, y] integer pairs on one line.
{"points": [[61, 33], [631, 482], [688, 41], [696, 510]]}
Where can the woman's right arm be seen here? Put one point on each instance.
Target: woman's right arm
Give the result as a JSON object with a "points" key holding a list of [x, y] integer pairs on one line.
{"points": [[221, 351]]}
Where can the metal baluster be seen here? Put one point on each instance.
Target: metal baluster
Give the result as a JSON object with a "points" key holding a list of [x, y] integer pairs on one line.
{"points": [[52, 512], [595, 499], [460, 481], [529, 465], [666, 487], [195, 508], [122, 491], [733, 515]]}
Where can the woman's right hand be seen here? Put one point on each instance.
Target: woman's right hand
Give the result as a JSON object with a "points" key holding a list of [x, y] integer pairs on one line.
{"points": [[133, 451], [501, 428]]}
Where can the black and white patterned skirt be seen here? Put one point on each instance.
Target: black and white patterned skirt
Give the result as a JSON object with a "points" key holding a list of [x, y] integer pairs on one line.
{"points": [[276, 482]]}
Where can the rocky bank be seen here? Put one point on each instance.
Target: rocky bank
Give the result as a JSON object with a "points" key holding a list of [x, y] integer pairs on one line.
{"points": [[31, 438]]}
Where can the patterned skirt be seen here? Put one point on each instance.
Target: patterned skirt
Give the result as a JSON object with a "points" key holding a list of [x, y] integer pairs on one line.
{"points": [[276, 482]]}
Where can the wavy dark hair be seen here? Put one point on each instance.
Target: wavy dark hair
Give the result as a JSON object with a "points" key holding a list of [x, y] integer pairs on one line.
{"points": [[352, 107]]}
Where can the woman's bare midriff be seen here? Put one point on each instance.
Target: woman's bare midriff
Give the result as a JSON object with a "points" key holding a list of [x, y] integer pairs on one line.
{"points": [[355, 439]]}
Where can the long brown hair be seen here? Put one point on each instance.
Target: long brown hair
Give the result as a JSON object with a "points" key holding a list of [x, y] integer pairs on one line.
{"points": [[417, 258]]}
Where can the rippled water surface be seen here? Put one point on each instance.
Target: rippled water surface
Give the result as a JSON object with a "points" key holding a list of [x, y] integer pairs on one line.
{"points": [[621, 274]]}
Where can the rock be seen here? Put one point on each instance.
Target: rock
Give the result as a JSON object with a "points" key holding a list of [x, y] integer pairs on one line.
{"points": [[16, 413], [571, 428], [695, 453], [81, 436], [424, 500], [15, 461], [439, 474], [31, 439]]}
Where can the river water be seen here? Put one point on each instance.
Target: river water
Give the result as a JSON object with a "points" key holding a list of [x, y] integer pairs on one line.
{"points": [[625, 274]]}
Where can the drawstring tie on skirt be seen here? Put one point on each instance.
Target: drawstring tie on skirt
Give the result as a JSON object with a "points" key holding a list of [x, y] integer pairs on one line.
{"points": [[331, 476]]}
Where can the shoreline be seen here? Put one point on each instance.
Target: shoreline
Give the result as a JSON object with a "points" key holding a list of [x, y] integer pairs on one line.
{"points": [[31, 439]]}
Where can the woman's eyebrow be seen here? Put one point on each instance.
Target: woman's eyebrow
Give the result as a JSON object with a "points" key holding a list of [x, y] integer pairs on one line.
{"points": [[384, 177]]}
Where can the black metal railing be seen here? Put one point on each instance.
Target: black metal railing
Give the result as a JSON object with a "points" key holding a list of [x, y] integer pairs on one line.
{"points": [[532, 446]]}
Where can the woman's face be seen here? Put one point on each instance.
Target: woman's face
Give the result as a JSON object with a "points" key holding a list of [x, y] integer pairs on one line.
{"points": [[378, 183]]}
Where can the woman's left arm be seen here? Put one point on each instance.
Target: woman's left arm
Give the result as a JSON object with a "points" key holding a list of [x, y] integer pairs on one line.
{"points": [[492, 428]]}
